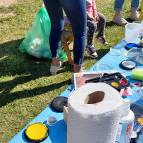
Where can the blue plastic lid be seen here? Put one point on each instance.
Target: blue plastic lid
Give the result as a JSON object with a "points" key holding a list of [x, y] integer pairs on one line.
{"points": [[132, 45]]}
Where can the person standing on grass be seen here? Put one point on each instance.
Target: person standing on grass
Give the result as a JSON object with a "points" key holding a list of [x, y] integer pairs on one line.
{"points": [[95, 22], [118, 17], [76, 13]]}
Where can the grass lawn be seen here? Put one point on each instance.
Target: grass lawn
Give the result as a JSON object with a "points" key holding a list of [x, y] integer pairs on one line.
{"points": [[26, 88]]}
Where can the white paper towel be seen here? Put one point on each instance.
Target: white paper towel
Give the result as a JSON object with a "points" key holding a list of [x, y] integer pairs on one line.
{"points": [[94, 123]]}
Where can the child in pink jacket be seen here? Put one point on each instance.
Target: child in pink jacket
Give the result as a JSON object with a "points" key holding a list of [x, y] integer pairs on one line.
{"points": [[95, 22]]}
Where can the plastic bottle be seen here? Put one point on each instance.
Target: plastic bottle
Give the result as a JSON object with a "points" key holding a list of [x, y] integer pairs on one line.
{"points": [[139, 90], [126, 125], [140, 140], [132, 31]]}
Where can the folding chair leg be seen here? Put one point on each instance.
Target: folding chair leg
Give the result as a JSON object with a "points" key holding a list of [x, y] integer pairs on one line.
{"points": [[66, 49], [71, 38]]}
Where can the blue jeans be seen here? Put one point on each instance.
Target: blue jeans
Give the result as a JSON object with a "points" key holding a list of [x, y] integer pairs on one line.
{"points": [[118, 6], [76, 13]]}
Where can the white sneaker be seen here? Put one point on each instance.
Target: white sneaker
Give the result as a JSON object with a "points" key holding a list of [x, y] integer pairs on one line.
{"points": [[55, 68], [92, 51]]}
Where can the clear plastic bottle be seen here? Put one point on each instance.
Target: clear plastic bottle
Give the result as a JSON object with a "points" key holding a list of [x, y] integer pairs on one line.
{"points": [[139, 90], [141, 34], [126, 125]]}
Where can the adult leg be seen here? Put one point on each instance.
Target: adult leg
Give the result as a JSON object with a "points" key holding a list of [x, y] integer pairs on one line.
{"points": [[135, 4], [76, 13], [118, 5], [57, 25], [118, 18], [134, 9]]}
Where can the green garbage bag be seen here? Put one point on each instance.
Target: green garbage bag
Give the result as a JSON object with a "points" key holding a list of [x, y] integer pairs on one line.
{"points": [[36, 42]]}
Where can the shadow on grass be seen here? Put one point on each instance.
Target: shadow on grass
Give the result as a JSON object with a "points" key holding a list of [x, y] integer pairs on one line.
{"points": [[129, 20], [7, 97], [110, 23], [100, 52], [24, 68], [14, 63]]}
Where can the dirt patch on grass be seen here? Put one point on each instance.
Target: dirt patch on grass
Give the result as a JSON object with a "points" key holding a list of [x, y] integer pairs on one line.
{"points": [[7, 3], [4, 5], [5, 15]]}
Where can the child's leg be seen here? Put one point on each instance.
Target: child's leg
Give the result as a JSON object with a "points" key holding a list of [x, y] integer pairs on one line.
{"points": [[90, 33], [92, 26], [101, 25], [101, 29]]}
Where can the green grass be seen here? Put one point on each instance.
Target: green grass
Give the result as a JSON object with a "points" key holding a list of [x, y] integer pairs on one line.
{"points": [[26, 88]]}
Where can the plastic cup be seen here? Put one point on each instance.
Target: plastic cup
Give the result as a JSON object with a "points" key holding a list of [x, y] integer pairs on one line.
{"points": [[132, 32]]}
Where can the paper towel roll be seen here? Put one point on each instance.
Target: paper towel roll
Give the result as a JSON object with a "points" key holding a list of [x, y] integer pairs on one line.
{"points": [[94, 112]]}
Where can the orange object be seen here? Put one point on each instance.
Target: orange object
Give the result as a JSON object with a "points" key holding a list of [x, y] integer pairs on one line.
{"points": [[66, 41]]}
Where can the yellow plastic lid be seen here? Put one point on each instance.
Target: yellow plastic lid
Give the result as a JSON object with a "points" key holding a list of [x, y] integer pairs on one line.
{"points": [[36, 132], [115, 84], [140, 120]]}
